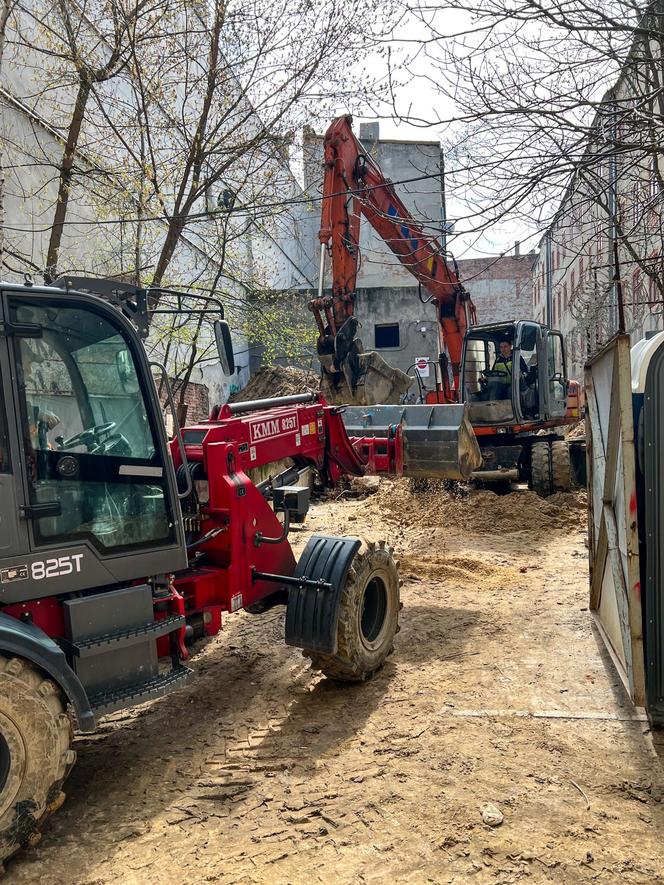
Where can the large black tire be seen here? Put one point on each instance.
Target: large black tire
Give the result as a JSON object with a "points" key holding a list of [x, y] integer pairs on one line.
{"points": [[35, 752], [561, 468], [540, 469], [368, 617]]}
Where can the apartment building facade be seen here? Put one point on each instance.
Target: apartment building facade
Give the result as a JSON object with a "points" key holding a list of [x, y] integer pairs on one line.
{"points": [[599, 265]]}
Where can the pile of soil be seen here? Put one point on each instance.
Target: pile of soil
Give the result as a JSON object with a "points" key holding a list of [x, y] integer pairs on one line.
{"points": [[482, 511], [276, 381]]}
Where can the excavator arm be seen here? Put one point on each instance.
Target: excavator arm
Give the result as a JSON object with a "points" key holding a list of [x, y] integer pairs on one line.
{"points": [[354, 185]]}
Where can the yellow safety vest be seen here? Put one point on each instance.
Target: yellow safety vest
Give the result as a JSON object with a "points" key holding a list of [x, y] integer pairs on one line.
{"points": [[503, 367]]}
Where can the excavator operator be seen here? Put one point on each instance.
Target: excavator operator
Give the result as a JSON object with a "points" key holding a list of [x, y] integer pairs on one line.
{"points": [[499, 380]]}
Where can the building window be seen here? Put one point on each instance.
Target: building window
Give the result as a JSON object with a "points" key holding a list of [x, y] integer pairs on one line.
{"points": [[636, 292], [565, 297], [386, 335], [572, 282], [654, 179], [653, 294]]}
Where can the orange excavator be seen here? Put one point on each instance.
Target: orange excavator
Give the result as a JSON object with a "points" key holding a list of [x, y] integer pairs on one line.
{"points": [[354, 185], [517, 413]]}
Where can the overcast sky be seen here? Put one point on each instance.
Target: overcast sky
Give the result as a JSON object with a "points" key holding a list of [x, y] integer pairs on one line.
{"points": [[416, 98]]}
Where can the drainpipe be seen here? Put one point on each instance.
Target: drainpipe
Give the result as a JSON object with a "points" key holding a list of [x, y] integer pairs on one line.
{"points": [[443, 204], [613, 215], [548, 278]]}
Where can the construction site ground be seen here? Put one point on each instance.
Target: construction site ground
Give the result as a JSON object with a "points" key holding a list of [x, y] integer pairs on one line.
{"points": [[498, 692]]}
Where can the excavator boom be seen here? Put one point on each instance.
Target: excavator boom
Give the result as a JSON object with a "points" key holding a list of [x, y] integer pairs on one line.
{"points": [[353, 186]]}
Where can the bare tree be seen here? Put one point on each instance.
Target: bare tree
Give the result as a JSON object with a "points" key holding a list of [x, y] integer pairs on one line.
{"points": [[554, 116], [174, 120], [5, 10]]}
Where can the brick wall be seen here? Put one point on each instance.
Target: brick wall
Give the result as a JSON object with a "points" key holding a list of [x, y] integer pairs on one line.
{"points": [[502, 288], [196, 399]]}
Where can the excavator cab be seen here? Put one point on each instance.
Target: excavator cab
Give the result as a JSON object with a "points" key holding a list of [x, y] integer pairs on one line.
{"points": [[513, 373]]}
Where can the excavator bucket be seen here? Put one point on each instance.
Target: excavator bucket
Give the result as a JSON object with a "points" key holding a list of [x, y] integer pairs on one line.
{"points": [[439, 441], [378, 382]]}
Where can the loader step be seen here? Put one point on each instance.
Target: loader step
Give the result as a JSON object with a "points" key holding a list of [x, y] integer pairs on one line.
{"points": [[117, 639], [104, 702]]}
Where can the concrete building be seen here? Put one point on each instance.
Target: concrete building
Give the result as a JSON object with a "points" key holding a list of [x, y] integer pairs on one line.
{"points": [[242, 253], [500, 286]]}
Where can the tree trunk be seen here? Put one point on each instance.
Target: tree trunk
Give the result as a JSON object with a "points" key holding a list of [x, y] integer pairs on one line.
{"points": [[66, 175], [5, 9]]}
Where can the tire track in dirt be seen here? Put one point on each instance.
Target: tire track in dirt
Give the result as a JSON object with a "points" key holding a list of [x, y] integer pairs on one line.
{"points": [[262, 772]]}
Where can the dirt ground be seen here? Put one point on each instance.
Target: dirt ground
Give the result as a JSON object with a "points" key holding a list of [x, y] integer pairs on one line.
{"points": [[498, 691]]}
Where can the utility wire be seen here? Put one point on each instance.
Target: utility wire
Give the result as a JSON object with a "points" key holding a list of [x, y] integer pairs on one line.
{"points": [[205, 216]]}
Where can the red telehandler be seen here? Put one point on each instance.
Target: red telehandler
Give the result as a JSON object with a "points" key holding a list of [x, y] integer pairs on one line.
{"points": [[518, 424], [118, 549]]}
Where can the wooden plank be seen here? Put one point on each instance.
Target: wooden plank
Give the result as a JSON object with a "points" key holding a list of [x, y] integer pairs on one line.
{"points": [[599, 563], [620, 590], [630, 521], [612, 507], [617, 663], [612, 441]]}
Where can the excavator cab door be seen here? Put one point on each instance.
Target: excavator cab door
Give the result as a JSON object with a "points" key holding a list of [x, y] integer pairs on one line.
{"points": [[528, 352], [487, 390], [553, 375]]}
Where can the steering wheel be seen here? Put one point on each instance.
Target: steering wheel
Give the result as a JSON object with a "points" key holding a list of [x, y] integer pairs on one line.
{"points": [[88, 437], [490, 373]]}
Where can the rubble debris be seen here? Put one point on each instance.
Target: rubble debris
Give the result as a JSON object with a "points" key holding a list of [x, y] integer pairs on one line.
{"points": [[482, 511], [276, 381], [492, 816]]}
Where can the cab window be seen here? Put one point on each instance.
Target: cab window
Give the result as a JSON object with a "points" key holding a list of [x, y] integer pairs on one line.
{"points": [[88, 439]]}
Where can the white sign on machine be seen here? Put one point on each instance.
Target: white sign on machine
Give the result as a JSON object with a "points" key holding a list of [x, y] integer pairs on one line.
{"points": [[422, 366]]}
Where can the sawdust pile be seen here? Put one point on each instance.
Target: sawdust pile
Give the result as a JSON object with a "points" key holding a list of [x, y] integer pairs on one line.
{"points": [[480, 512], [462, 570], [276, 381]]}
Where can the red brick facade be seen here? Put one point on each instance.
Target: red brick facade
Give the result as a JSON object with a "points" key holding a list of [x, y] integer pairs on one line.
{"points": [[501, 287], [196, 399]]}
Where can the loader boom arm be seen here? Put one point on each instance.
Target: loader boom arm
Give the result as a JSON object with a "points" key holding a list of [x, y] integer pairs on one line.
{"points": [[353, 184]]}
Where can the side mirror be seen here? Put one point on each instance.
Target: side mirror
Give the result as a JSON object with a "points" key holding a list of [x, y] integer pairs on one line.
{"points": [[222, 336]]}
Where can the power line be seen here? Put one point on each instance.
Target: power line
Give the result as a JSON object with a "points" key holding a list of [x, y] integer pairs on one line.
{"points": [[206, 216]]}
